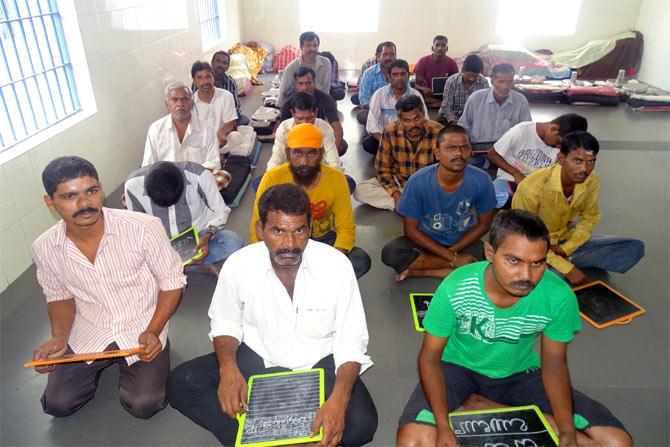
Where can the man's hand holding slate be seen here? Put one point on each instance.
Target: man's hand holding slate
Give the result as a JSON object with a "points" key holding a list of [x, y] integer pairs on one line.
{"points": [[54, 347], [151, 344], [232, 391], [203, 244]]}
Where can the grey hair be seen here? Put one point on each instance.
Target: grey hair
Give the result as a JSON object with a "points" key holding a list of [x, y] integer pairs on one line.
{"points": [[176, 86]]}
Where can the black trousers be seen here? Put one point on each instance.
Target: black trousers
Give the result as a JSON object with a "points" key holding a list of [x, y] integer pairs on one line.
{"points": [[193, 385]]}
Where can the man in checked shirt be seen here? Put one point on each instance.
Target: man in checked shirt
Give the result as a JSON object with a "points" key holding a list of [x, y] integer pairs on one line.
{"points": [[111, 281]]}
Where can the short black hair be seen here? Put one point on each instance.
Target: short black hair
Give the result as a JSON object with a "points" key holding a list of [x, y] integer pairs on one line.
{"points": [[388, 43], [575, 140], [304, 70], [164, 183], [379, 48], [440, 37], [520, 222], [399, 63], [288, 198], [199, 66], [453, 128], [570, 122], [63, 169], [328, 55], [307, 36], [221, 52], [502, 68], [409, 103], [303, 101], [473, 64]]}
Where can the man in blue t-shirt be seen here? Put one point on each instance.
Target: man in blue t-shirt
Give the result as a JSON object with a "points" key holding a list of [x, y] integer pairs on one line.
{"points": [[446, 208]]}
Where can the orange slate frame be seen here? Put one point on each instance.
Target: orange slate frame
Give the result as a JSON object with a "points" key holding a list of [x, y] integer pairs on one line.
{"points": [[85, 357], [621, 320]]}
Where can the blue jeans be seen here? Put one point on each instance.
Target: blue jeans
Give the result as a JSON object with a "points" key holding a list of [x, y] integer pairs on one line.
{"points": [[503, 191], [611, 253], [223, 244]]}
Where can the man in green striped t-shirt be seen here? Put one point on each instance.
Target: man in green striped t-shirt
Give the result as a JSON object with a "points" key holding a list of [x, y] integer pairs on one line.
{"points": [[480, 331]]}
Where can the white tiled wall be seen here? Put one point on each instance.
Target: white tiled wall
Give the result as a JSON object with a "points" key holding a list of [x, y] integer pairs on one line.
{"points": [[654, 23], [130, 66], [411, 24]]}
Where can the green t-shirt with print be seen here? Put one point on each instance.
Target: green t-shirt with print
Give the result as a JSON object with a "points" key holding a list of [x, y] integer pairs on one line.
{"points": [[498, 342]]}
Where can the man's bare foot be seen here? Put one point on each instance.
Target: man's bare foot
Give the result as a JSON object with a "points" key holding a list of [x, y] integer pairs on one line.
{"points": [[211, 269], [400, 277]]}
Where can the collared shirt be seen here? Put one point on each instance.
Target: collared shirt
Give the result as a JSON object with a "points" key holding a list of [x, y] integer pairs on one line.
{"points": [[201, 204], [199, 144], [372, 80], [228, 83], [322, 70], [116, 296], [455, 95], [325, 315], [330, 155], [382, 108], [396, 159], [486, 121], [542, 193], [219, 111]]}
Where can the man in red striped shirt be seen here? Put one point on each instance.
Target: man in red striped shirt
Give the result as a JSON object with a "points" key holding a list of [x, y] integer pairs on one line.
{"points": [[111, 281]]}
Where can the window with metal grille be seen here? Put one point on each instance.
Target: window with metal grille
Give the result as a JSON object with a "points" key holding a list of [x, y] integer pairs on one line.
{"points": [[213, 28], [37, 84]]}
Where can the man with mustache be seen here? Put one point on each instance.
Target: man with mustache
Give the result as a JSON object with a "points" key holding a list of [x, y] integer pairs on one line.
{"points": [[568, 192], [309, 46], [212, 104], [328, 191], [446, 208], [406, 146], [181, 135], [111, 281], [375, 78], [220, 65], [287, 303], [480, 330], [435, 65]]}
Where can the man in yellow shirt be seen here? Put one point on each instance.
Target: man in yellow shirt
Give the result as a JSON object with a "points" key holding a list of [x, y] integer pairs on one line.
{"points": [[328, 191], [565, 193]]}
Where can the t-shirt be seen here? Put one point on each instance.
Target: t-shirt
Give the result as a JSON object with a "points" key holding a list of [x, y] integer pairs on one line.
{"points": [[524, 149], [446, 216], [326, 108], [426, 68], [493, 341]]}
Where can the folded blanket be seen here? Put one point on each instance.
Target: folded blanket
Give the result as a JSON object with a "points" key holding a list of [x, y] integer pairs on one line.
{"points": [[599, 91]]}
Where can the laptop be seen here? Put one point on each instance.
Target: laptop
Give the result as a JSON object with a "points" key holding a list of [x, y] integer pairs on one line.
{"points": [[438, 86]]}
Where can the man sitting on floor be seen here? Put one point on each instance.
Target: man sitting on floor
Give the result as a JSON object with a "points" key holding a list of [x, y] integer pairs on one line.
{"points": [[480, 330], [382, 105], [181, 135], [332, 216], [375, 78], [325, 106], [185, 195], [111, 281], [459, 87], [212, 104], [407, 145], [446, 209], [527, 147], [489, 113], [220, 64], [287, 303], [435, 65], [567, 192]]}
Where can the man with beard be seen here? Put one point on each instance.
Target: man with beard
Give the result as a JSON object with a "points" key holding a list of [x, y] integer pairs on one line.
{"points": [[375, 78], [181, 135], [446, 209], [111, 281], [326, 186], [435, 65], [407, 145], [287, 303], [480, 330], [382, 105], [212, 104], [220, 64], [568, 192], [491, 112]]}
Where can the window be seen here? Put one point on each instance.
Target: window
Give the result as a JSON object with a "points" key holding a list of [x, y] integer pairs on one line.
{"points": [[523, 18], [343, 16], [213, 28]]}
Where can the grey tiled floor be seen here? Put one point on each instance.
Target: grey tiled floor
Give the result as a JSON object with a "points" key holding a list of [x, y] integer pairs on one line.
{"points": [[625, 367]]}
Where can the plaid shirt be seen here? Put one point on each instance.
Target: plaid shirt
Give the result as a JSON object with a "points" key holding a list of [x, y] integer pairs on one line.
{"points": [[228, 83], [396, 160], [455, 95]]}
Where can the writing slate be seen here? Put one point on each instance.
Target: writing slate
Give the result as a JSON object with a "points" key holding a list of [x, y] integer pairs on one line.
{"points": [[602, 306], [184, 244], [281, 409], [419, 303], [437, 86], [503, 427]]}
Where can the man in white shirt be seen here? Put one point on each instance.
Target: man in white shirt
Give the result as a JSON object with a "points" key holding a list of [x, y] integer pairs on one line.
{"points": [[212, 104], [527, 147], [181, 135], [287, 303]]}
